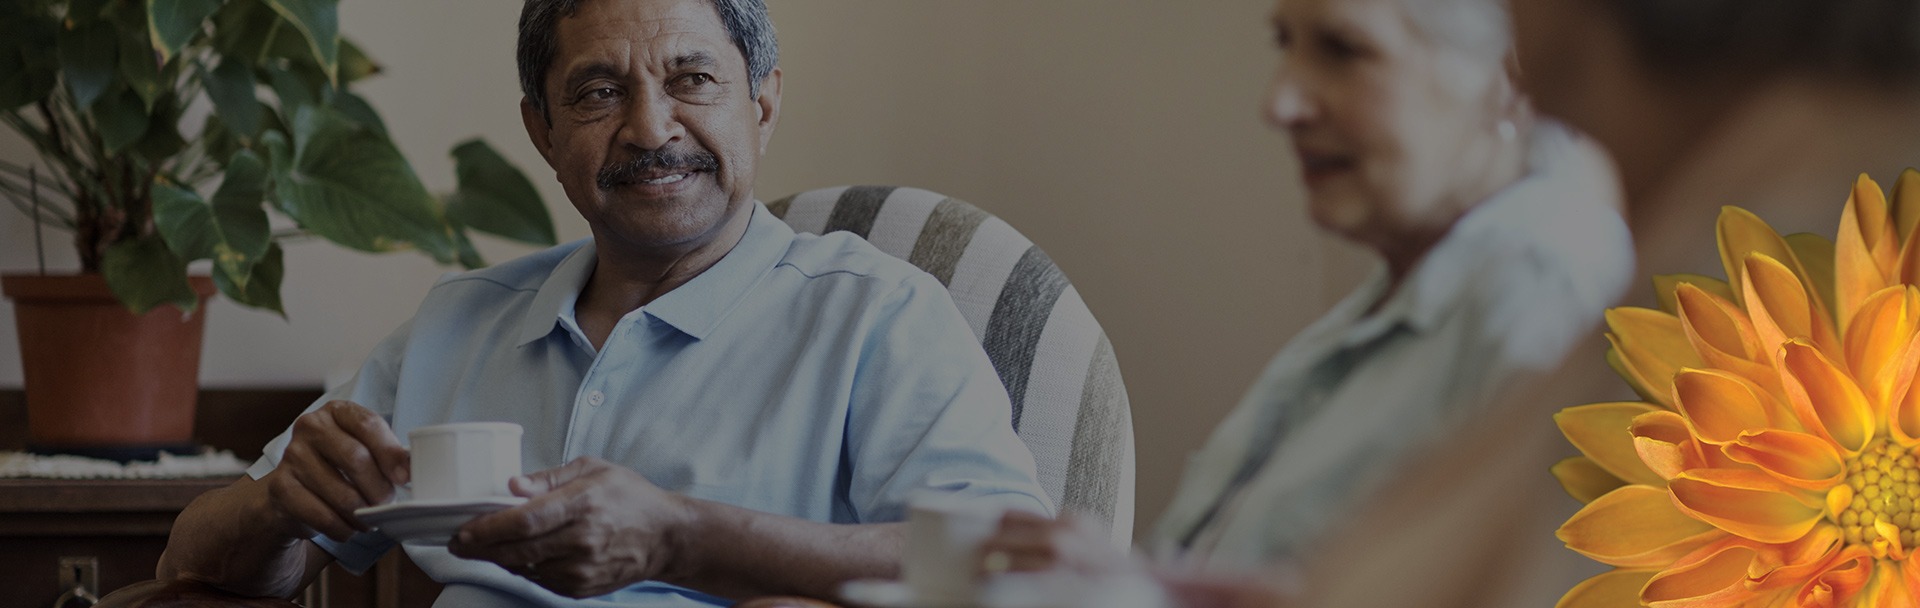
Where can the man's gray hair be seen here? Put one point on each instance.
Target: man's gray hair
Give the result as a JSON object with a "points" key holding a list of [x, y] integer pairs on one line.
{"points": [[746, 22], [1876, 40]]}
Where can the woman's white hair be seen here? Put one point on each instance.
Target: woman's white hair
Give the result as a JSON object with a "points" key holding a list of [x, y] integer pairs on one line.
{"points": [[1481, 28]]}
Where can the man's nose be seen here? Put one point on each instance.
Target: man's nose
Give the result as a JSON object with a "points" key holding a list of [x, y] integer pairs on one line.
{"points": [[652, 124]]}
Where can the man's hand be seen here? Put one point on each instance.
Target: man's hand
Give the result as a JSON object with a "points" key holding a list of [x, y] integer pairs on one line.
{"points": [[590, 528], [341, 457], [1026, 542]]}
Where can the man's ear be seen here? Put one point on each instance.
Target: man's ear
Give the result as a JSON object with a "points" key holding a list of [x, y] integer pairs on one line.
{"points": [[769, 107], [537, 129]]}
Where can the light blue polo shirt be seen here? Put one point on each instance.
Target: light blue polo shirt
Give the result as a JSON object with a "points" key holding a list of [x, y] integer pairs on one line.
{"points": [[803, 375]]}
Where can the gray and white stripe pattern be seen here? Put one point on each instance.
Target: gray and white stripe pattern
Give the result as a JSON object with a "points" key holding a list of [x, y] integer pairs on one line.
{"points": [[1069, 403]]}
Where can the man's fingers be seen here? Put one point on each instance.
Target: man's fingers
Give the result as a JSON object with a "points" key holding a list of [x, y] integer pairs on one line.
{"points": [[310, 510], [541, 482], [325, 485], [540, 516], [517, 554], [390, 459], [347, 455]]}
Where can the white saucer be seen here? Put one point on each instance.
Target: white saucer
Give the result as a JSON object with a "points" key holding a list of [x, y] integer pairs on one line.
{"points": [[431, 521], [1016, 590]]}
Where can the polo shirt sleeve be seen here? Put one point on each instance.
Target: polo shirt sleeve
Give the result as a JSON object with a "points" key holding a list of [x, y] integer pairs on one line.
{"points": [[929, 415], [373, 387]]}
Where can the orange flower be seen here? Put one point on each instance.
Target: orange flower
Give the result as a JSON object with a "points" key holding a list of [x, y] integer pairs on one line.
{"points": [[1773, 462]]}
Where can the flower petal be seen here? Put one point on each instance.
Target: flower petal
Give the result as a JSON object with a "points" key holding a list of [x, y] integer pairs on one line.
{"points": [[1827, 401], [1801, 460], [1877, 339], [1782, 309], [1816, 258], [1664, 444], [1654, 346], [1865, 254], [1603, 431], [1724, 338], [1664, 284], [1748, 504], [1717, 579], [1790, 565], [1740, 233], [1903, 422], [1840, 582], [1906, 202], [1584, 480], [1888, 589], [1635, 527], [1720, 406], [1611, 589]]}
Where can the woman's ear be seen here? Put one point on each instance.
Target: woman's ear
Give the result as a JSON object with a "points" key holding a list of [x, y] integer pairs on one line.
{"points": [[1510, 104]]}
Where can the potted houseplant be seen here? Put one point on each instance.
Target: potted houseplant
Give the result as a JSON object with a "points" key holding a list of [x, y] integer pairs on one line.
{"points": [[169, 130]]}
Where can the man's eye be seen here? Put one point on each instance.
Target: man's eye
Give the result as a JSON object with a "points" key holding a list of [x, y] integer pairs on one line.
{"points": [[600, 94], [695, 80]]}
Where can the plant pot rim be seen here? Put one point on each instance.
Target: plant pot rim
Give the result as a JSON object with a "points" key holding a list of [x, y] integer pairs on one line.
{"points": [[78, 286]]}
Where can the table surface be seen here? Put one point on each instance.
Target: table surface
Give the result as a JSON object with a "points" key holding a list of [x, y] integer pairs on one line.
{"points": [[103, 495]]}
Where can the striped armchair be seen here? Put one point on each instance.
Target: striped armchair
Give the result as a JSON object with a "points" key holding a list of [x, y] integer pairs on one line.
{"points": [[1069, 405]]}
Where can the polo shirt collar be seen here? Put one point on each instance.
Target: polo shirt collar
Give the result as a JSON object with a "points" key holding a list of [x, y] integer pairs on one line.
{"points": [[695, 308]]}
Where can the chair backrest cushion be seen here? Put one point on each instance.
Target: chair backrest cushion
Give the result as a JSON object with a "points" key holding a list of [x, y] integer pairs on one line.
{"points": [[1069, 403]]}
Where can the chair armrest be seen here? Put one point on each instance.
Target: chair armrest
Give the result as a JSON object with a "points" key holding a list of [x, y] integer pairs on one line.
{"points": [[182, 594]]}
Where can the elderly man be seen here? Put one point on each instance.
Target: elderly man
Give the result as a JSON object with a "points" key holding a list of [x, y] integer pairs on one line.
{"points": [[716, 406]]}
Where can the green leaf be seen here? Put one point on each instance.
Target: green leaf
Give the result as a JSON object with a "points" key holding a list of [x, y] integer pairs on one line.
{"points": [[494, 197], [88, 60], [140, 65], [242, 30], [319, 22], [185, 221], [261, 287], [30, 64], [142, 74], [347, 183], [84, 10], [231, 86], [353, 108], [144, 274], [162, 139], [122, 119], [173, 23], [469, 256], [244, 233], [354, 63], [293, 91], [219, 141]]}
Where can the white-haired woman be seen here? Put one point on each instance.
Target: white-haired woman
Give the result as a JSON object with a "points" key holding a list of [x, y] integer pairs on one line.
{"points": [[1378, 460]]}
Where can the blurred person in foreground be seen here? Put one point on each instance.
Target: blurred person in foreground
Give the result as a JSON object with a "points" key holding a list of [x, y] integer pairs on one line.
{"points": [[1775, 106], [1379, 460]]}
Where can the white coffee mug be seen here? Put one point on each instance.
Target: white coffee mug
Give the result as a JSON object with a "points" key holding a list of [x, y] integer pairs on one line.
{"points": [[464, 460], [943, 544]]}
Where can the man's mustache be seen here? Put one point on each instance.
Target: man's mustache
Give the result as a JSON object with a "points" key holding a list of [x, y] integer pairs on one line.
{"points": [[655, 161]]}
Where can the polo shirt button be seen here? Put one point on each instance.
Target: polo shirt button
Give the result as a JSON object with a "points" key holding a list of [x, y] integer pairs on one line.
{"points": [[596, 398]]}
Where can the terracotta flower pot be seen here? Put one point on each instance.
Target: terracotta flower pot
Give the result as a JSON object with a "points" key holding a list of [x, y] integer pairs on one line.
{"points": [[101, 381]]}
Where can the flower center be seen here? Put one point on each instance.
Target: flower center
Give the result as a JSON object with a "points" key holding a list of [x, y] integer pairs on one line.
{"points": [[1886, 484]]}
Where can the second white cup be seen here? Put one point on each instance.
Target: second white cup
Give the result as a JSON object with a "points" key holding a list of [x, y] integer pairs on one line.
{"points": [[943, 542], [464, 460]]}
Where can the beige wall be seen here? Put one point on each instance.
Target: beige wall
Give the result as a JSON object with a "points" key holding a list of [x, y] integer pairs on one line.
{"points": [[1121, 135]]}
